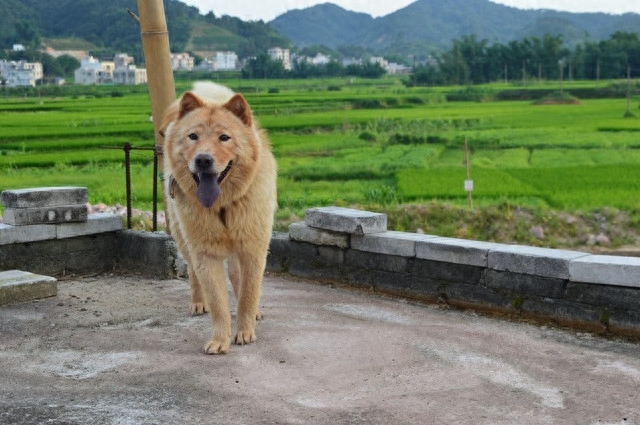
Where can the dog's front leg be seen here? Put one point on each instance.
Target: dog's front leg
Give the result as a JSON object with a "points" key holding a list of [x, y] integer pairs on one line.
{"points": [[210, 273], [248, 293]]}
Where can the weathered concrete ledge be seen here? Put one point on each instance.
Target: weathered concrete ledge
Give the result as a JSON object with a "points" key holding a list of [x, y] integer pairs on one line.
{"points": [[18, 286], [58, 249], [595, 292]]}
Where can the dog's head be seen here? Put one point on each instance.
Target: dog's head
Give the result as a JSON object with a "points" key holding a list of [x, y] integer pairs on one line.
{"points": [[217, 144]]}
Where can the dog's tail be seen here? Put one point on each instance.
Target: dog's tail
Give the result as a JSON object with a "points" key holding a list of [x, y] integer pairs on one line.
{"points": [[212, 92]]}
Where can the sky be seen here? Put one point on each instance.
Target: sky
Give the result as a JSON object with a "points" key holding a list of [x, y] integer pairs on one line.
{"points": [[267, 10]]}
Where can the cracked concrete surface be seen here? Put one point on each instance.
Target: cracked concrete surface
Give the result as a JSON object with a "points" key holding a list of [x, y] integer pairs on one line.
{"points": [[123, 350]]}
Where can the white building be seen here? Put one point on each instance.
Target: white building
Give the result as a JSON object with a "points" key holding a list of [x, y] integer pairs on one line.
{"points": [[221, 61], [351, 61], [225, 61], [122, 60], [283, 55], [20, 74], [92, 71], [182, 62], [130, 75], [379, 60], [120, 71], [320, 59], [397, 68]]}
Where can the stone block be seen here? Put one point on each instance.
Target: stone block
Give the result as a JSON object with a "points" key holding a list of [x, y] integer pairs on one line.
{"points": [[148, 253], [17, 286], [607, 270], [346, 220], [604, 296], [532, 260], [373, 261], [523, 285], [389, 242], [44, 197], [46, 215], [458, 251], [21, 234], [302, 233], [446, 272], [96, 223]]}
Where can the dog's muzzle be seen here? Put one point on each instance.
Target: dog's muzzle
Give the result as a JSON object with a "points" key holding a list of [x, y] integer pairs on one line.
{"points": [[207, 180]]}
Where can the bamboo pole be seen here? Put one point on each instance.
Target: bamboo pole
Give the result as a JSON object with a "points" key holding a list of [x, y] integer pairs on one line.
{"points": [[157, 56]]}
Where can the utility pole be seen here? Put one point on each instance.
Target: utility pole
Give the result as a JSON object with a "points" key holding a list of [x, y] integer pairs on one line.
{"points": [[628, 114], [157, 57]]}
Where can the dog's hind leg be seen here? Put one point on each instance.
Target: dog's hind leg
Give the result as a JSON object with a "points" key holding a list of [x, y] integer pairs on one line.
{"points": [[235, 276], [197, 305]]}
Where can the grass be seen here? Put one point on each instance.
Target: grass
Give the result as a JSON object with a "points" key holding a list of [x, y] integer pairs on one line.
{"points": [[365, 143]]}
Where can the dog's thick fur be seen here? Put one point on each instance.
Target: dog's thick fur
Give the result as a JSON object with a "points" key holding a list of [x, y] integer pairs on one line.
{"points": [[220, 189]]}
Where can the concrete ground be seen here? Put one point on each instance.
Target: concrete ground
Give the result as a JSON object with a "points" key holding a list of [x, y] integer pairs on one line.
{"points": [[114, 350]]}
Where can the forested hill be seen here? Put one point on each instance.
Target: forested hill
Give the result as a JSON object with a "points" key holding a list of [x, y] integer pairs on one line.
{"points": [[100, 24], [433, 24]]}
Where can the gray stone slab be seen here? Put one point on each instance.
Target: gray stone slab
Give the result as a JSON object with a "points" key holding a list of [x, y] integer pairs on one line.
{"points": [[458, 251], [532, 260], [302, 233], [20, 234], [44, 196], [347, 220], [17, 286], [46, 215], [96, 223], [607, 270], [390, 242]]}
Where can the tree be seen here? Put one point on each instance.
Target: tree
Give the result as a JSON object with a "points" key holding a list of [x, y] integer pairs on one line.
{"points": [[68, 65], [263, 66], [27, 33], [50, 67]]}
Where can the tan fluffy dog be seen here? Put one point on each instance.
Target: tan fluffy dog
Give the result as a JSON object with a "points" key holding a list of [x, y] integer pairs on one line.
{"points": [[221, 197]]}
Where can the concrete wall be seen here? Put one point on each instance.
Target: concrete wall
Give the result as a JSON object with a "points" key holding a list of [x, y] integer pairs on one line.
{"points": [[593, 292], [600, 293]]}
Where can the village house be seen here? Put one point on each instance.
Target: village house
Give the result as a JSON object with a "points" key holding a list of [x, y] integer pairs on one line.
{"points": [[119, 71], [92, 71], [182, 62], [220, 61], [130, 75], [20, 73], [283, 55]]}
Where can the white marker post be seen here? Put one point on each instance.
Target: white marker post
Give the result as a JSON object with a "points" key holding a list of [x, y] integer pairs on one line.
{"points": [[468, 183]]}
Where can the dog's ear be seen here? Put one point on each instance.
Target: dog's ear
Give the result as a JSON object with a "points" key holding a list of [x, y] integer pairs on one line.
{"points": [[239, 107], [188, 103]]}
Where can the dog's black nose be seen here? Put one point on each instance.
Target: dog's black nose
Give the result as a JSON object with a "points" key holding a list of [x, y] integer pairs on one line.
{"points": [[204, 162]]}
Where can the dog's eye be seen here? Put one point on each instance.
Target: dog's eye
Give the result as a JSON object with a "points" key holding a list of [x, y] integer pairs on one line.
{"points": [[193, 136], [224, 138]]}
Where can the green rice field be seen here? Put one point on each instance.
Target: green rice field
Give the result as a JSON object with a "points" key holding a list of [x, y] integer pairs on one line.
{"points": [[365, 143]]}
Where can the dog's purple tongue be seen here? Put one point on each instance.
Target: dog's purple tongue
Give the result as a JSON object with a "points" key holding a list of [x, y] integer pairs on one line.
{"points": [[208, 189]]}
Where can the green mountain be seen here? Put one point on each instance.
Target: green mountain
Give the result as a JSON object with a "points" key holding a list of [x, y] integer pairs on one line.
{"points": [[106, 25], [435, 23]]}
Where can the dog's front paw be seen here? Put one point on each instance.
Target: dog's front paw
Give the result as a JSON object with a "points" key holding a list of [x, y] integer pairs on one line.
{"points": [[259, 315], [245, 336], [197, 309], [217, 346]]}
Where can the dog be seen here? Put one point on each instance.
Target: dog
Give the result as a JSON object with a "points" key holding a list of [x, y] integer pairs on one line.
{"points": [[220, 191]]}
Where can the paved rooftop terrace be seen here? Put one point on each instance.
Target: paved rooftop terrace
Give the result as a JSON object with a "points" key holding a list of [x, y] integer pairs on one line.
{"points": [[123, 350]]}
